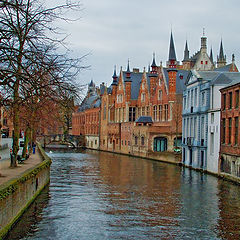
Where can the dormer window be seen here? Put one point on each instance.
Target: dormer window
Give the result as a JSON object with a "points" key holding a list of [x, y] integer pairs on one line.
{"points": [[143, 86], [120, 87], [206, 62], [201, 62], [143, 97]]}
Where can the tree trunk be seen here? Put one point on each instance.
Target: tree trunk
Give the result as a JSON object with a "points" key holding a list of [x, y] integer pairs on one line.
{"points": [[26, 141], [16, 124]]}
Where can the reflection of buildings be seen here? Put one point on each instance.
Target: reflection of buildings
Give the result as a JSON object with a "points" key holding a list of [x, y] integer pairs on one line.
{"points": [[229, 208], [139, 189]]}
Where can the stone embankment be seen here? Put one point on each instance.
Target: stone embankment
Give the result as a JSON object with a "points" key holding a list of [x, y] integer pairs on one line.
{"points": [[20, 186]]}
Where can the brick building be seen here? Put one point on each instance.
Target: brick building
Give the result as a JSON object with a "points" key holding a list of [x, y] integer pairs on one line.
{"points": [[230, 133], [141, 111], [139, 108], [85, 121]]}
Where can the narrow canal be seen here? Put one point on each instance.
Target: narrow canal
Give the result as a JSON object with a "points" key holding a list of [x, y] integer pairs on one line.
{"points": [[96, 195]]}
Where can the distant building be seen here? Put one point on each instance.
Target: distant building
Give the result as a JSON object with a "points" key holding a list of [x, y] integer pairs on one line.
{"points": [[85, 121], [230, 134]]}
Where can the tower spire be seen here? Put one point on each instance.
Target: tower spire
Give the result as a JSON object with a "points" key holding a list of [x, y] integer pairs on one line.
{"points": [[172, 53], [128, 72], [186, 52], [114, 76], [221, 58], [154, 65], [211, 55]]}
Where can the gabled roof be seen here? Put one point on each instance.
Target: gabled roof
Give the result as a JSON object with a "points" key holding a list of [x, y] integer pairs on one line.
{"points": [[225, 68], [89, 102], [144, 119], [221, 79]]}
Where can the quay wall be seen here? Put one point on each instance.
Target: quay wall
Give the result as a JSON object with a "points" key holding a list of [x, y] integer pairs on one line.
{"points": [[17, 194]]}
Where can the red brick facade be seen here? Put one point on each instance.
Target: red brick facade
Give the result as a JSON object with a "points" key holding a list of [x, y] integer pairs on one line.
{"points": [[230, 131], [230, 120]]}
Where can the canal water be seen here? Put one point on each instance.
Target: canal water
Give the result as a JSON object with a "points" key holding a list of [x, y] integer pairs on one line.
{"points": [[97, 195]]}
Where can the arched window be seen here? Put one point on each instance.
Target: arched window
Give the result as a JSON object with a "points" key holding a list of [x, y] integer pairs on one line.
{"points": [[160, 144]]}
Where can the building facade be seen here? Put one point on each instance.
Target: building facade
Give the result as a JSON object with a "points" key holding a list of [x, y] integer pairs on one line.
{"points": [[140, 113], [229, 161], [201, 118], [85, 121]]}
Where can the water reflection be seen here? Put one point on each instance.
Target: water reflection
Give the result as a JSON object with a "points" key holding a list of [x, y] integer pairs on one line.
{"points": [[97, 195]]}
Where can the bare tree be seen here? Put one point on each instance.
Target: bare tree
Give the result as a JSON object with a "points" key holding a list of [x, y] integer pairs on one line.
{"points": [[29, 42]]}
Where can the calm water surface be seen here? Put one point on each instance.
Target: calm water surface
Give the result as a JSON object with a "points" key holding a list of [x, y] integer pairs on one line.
{"points": [[96, 195]]}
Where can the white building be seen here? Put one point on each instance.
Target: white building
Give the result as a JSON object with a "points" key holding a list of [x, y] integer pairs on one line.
{"points": [[201, 118]]}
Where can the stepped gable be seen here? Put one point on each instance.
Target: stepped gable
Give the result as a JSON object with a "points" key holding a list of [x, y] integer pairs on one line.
{"points": [[136, 78]]}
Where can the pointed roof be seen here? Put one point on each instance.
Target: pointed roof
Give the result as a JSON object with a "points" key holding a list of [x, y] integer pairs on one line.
{"points": [[186, 52], [221, 55], [91, 83], [154, 62], [172, 54], [211, 55], [114, 76], [128, 68]]}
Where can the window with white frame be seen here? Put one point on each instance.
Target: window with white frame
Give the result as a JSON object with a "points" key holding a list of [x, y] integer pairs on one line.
{"points": [[143, 97]]}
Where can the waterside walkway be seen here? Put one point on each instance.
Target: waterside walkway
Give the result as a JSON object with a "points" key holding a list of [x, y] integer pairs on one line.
{"points": [[7, 173]]}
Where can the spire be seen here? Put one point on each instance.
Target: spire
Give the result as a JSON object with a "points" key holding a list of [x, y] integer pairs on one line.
{"points": [[154, 65], [91, 83], [154, 62], [221, 55], [186, 52], [172, 54], [128, 72], [233, 58], [211, 55], [221, 58], [128, 68], [114, 76]]}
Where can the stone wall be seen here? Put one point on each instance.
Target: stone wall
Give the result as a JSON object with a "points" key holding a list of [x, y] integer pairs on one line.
{"points": [[17, 194]]}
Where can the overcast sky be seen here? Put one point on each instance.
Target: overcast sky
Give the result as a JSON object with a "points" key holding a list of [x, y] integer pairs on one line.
{"points": [[114, 30]]}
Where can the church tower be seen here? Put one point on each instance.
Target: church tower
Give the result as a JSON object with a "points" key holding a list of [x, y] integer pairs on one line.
{"points": [[221, 58]]}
